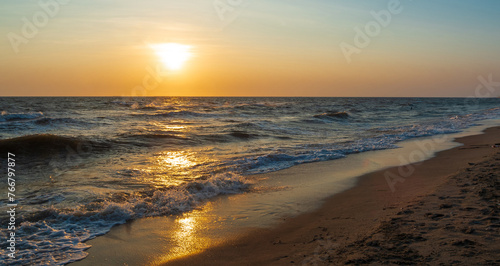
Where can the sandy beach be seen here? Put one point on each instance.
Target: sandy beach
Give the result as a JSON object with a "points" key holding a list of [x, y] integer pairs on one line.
{"points": [[440, 211], [445, 212]]}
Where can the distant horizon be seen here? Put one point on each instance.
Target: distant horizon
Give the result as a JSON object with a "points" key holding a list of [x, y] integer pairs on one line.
{"points": [[423, 97]]}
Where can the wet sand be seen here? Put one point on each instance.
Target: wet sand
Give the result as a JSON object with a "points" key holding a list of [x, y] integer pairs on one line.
{"points": [[445, 211]]}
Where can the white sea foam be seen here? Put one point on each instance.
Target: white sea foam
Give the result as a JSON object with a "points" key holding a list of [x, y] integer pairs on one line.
{"points": [[58, 237]]}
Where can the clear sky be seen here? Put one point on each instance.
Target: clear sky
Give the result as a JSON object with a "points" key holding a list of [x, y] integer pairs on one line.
{"points": [[249, 47]]}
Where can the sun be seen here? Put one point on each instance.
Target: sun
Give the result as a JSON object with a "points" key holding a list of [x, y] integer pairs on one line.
{"points": [[172, 55]]}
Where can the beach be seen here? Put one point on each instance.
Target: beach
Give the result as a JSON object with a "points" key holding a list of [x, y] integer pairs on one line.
{"points": [[446, 211]]}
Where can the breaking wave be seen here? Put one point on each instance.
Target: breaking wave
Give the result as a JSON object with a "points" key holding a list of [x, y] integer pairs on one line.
{"points": [[58, 234]]}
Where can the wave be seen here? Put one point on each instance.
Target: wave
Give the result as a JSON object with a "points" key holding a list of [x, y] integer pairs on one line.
{"points": [[121, 103], [341, 115], [160, 136], [378, 139], [233, 134], [47, 144], [6, 117], [50, 121], [258, 105], [58, 235], [176, 139], [243, 135], [275, 161], [215, 138], [176, 114], [149, 139], [152, 106], [185, 114]]}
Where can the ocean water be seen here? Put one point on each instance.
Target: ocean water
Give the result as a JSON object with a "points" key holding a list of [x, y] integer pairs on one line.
{"points": [[84, 165]]}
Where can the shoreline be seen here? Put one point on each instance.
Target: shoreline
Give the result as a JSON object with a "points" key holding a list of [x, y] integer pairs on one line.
{"points": [[143, 241], [354, 226]]}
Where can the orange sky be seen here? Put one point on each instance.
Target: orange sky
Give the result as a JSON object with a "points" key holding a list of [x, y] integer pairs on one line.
{"points": [[284, 48]]}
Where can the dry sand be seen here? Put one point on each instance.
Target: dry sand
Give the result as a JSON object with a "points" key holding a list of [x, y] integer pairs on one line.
{"points": [[446, 212]]}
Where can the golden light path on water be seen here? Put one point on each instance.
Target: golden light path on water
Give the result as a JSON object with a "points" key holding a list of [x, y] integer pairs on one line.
{"points": [[174, 127], [171, 168], [168, 126], [177, 159], [189, 235], [183, 234]]}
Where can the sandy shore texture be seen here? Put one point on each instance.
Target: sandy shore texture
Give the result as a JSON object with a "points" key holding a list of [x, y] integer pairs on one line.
{"points": [[445, 212]]}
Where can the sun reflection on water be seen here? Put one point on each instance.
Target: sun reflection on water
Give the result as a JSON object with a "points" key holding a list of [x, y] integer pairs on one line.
{"points": [[189, 234], [170, 127], [175, 160], [172, 168], [186, 227], [174, 127]]}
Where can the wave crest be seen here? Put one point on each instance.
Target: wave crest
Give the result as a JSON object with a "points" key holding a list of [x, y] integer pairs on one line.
{"points": [[341, 115], [6, 117], [46, 144]]}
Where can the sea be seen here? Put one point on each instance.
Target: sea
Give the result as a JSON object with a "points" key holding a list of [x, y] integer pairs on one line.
{"points": [[86, 164]]}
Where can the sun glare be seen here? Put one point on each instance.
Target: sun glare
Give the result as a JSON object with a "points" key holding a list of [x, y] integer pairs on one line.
{"points": [[172, 55]]}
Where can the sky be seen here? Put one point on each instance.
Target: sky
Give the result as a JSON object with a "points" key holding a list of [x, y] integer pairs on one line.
{"points": [[334, 48]]}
